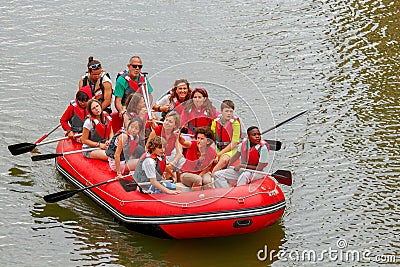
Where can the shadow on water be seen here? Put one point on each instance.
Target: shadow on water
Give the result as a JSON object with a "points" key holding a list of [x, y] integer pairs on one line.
{"points": [[98, 240]]}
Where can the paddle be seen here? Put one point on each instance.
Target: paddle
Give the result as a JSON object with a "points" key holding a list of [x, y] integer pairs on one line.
{"points": [[21, 148], [54, 155], [274, 145], [69, 193], [146, 96], [279, 124], [282, 176], [45, 135]]}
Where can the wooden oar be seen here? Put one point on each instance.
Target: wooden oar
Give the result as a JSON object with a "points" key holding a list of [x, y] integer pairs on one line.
{"points": [[46, 135], [21, 148], [282, 176], [54, 155], [69, 193], [279, 124]]}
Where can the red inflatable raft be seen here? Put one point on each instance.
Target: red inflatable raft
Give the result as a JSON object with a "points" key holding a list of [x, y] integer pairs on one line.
{"points": [[206, 213]]}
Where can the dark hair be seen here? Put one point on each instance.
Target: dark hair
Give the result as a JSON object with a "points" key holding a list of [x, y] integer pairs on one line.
{"points": [[132, 102], [174, 93], [82, 96], [209, 108], [227, 104], [139, 120], [206, 131], [251, 128]]}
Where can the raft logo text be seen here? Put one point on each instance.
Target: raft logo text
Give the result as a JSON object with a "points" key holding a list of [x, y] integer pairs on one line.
{"points": [[338, 254]]}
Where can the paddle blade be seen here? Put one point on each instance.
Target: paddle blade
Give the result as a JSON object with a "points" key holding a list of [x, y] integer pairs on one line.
{"points": [[60, 196], [274, 145], [21, 148], [45, 156], [283, 177]]}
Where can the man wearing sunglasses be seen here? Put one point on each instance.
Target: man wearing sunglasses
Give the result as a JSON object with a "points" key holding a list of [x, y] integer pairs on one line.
{"points": [[129, 82], [99, 82]]}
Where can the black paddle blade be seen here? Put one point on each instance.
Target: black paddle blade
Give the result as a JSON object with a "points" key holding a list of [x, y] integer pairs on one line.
{"points": [[283, 177], [45, 156], [21, 148], [274, 145], [60, 195]]}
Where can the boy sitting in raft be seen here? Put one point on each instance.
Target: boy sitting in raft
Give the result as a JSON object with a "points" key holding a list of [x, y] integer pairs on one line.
{"points": [[254, 154], [151, 169], [124, 150], [227, 131], [74, 116]]}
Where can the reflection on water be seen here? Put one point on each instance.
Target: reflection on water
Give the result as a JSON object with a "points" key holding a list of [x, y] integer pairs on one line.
{"points": [[97, 239]]}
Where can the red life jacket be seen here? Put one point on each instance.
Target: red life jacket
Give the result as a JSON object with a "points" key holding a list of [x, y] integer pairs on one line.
{"points": [[252, 156], [198, 119], [133, 85], [170, 142], [77, 120], [100, 131], [160, 163], [193, 164], [223, 134]]}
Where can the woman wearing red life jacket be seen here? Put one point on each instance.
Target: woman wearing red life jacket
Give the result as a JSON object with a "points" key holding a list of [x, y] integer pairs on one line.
{"points": [[200, 155], [175, 99], [198, 111], [169, 131], [254, 154], [97, 131], [99, 82], [74, 116]]}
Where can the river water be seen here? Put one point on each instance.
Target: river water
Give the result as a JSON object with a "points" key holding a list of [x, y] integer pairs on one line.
{"points": [[338, 59]]}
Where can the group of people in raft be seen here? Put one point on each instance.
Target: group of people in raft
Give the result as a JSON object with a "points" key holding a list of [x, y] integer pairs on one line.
{"points": [[191, 142]]}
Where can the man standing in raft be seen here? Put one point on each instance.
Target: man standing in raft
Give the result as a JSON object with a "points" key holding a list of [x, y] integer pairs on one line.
{"points": [[254, 154], [128, 82]]}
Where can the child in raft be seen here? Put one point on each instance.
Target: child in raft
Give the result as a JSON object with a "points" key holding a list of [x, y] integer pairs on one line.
{"points": [[124, 150], [74, 116], [227, 132], [151, 169], [254, 155]]}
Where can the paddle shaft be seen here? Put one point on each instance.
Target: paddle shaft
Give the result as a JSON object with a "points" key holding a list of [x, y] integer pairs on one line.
{"points": [[286, 121], [54, 155], [146, 96], [56, 140], [69, 193], [46, 135]]}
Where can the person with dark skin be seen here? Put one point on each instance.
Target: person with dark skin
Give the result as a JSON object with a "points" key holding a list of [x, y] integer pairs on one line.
{"points": [[254, 155]]}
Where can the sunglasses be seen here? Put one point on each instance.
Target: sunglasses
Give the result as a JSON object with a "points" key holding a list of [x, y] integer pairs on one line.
{"points": [[136, 66], [95, 66]]}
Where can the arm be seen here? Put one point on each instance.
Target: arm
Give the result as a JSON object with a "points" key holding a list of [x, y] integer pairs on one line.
{"points": [[119, 93], [107, 95], [152, 134], [64, 120], [183, 142], [85, 139], [117, 156]]}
